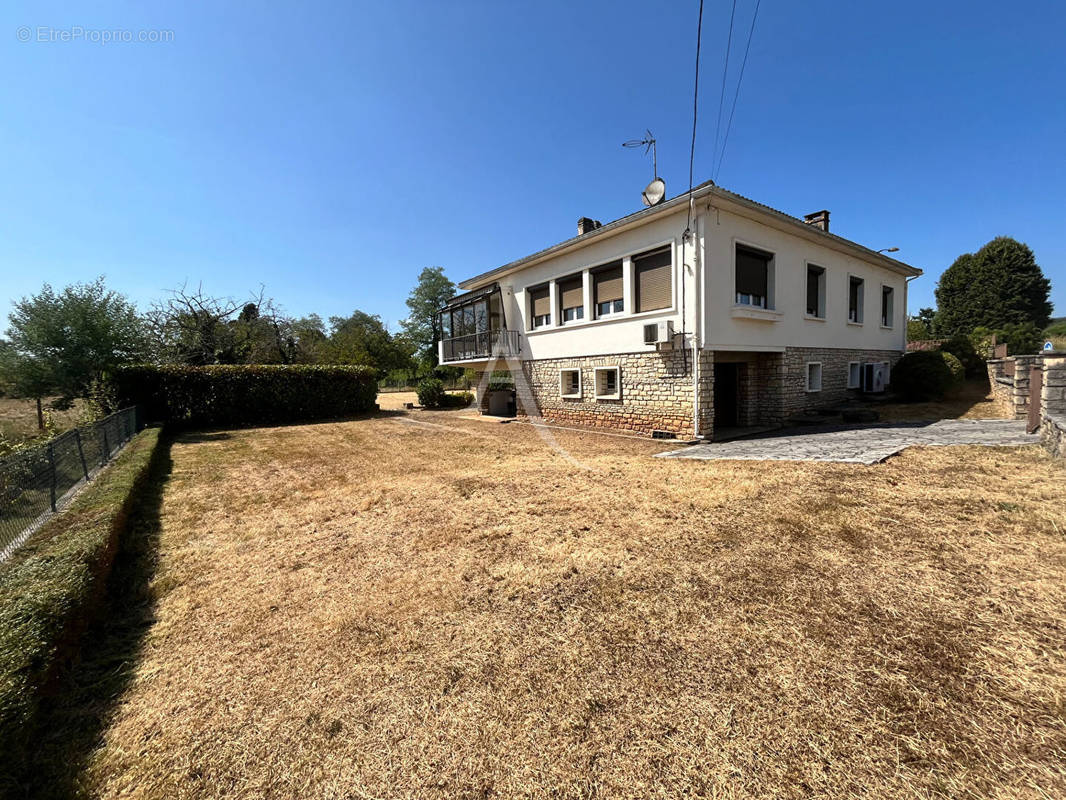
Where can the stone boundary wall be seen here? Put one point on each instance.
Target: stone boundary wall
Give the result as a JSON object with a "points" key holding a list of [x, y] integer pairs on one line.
{"points": [[1013, 391]]}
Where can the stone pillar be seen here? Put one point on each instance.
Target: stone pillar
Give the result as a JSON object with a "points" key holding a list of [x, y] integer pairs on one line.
{"points": [[1053, 393], [1021, 384]]}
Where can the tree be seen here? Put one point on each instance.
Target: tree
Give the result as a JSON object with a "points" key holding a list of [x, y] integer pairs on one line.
{"points": [[363, 339], [58, 342], [920, 326], [999, 285], [433, 291]]}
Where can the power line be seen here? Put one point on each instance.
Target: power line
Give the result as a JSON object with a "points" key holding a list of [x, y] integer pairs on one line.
{"points": [[736, 94], [725, 71], [695, 110]]}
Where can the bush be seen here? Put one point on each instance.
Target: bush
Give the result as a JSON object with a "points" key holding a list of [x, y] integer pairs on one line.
{"points": [[457, 400], [50, 589], [244, 395], [431, 392], [962, 347], [926, 374]]}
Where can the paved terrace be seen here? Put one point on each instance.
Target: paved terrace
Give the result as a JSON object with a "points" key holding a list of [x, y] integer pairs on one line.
{"points": [[866, 445]]}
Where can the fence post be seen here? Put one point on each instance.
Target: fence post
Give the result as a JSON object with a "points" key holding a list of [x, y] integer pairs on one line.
{"points": [[81, 453], [105, 454], [52, 468]]}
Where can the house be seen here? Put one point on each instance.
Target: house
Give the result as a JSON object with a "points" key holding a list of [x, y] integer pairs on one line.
{"points": [[749, 318]]}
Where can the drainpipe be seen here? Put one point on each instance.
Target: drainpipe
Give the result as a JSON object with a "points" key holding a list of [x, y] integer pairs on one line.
{"points": [[906, 307], [697, 305]]}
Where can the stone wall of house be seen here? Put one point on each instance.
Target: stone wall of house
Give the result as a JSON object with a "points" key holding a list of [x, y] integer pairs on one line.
{"points": [[656, 392], [795, 398]]}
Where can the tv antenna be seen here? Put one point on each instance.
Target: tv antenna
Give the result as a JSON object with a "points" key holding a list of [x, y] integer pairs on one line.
{"points": [[655, 191]]}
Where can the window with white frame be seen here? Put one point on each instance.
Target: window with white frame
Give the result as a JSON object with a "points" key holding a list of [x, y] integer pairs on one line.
{"points": [[887, 303], [815, 291], [855, 299], [608, 383], [570, 383], [754, 277], [814, 376], [540, 306], [607, 293], [571, 298], [854, 374]]}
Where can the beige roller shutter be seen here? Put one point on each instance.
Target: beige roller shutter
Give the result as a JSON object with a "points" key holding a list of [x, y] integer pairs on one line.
{"points": [[607, 284], [653, 272], [539, 301], [570, 294]]}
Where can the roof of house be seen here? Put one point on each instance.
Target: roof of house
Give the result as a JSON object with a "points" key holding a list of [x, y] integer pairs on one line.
{"points": [[704, 190]]}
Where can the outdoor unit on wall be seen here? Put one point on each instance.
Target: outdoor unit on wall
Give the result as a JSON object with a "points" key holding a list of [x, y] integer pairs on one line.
{"points": [[874, 377], [660, 334]]}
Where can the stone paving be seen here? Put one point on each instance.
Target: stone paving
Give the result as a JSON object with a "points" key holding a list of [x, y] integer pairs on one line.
{"points": [[866, 445]]}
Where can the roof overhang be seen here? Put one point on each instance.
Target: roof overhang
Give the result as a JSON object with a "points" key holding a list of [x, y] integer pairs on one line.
{"points": [[703, 196]]}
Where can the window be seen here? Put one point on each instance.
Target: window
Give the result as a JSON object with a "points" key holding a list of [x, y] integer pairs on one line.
{"points": [[855, 297], [607, 383], [814, 376], [571, 298], [540, 306], [753, 277], [570, 383], [815, 291], [653, 272], [854, 374], [607, 290], [886, 306]]}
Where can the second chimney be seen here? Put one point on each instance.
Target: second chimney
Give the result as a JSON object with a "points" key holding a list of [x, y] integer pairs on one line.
{"points": [[584, 225], [819, 219]]}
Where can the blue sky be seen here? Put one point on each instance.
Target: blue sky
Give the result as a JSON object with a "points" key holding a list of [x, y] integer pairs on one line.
{"points": [[332, 150]]}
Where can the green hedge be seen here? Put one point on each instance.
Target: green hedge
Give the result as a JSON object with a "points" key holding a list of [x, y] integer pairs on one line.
{"points": [[244, 395], [926, 375], [50, 589]]}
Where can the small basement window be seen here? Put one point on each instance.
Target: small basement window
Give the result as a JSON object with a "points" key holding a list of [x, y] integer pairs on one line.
{"points": [[855, 298], [887, 297], [814, 376], [854, 374], [570, 383], [607, 383], [815, 291]]}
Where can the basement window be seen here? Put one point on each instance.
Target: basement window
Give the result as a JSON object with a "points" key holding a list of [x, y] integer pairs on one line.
{"points": [[815, 291], [854, 374], [570, 383], [814, 376], [607, 383]]}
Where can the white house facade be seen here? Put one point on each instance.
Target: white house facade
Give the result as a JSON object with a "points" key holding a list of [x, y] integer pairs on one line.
{"points": [[692, 316]]}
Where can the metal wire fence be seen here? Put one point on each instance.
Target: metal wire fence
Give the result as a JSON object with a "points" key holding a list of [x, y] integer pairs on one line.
{"points": [[39, 480]]}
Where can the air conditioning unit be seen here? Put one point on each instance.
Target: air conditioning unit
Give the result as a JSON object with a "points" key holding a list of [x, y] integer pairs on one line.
{"points": [[659, 333], [874, 377]]}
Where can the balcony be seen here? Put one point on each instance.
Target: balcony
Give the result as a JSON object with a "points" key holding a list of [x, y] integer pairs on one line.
{"points": [[480, 346]]}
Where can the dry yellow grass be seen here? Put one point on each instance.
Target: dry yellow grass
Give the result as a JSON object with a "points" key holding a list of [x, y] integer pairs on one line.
{"points": [[388, 608], [18, 418], [972, 400]]}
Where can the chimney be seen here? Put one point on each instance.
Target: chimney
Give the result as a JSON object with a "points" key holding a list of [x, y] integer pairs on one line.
{"points": [[585, 225], [819, 219]]}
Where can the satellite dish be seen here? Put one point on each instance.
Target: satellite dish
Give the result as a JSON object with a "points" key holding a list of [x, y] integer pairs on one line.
{"points": [[654, 192]]}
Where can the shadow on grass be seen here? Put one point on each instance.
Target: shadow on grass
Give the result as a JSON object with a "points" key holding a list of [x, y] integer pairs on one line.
{"points": [[973, 400], [74, 717]]}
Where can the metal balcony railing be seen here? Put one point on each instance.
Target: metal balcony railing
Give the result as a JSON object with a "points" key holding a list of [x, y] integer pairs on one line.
{"points": [[481, 345]]}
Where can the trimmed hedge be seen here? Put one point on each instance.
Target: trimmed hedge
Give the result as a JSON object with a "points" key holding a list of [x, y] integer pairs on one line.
{"points": [[926, 374], [244, 395], [51, 588]]}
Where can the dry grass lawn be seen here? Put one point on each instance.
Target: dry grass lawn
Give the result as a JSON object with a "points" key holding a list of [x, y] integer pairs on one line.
{"points": [[18, 419], [972, 400], [433, 607]]}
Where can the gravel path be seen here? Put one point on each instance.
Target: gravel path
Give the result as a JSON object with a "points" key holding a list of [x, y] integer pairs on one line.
{"points": [[866, 445]]}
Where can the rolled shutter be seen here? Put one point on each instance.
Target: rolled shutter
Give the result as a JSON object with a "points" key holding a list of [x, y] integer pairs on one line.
{"points": [[570, 293], [539, 301], [607, 284], [653, 279], [752, 267]]}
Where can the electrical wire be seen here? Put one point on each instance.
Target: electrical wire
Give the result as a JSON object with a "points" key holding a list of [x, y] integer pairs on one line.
{"points": [[736, 94], [725, 72]]}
